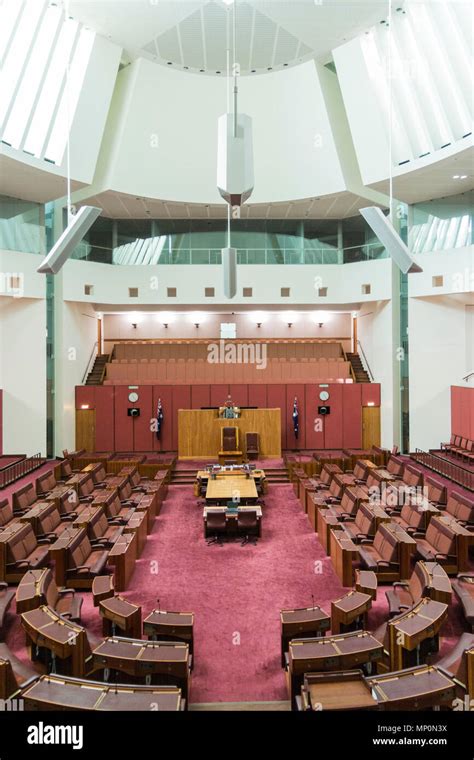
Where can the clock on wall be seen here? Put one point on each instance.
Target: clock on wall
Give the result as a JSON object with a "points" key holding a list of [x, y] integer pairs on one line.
{"points": [[324, 396], [133, 397]]}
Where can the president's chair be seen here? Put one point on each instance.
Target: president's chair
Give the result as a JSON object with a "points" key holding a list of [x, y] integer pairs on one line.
{"points": [[230, 445]]}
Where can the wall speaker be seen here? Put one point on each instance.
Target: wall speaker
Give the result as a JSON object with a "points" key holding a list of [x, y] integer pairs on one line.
{"points": [[322, 410], [79, 225], [390, 239], [133, 411], [235, 177]]}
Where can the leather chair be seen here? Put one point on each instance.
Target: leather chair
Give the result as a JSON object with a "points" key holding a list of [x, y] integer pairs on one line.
{"points": [[381, 555], [464, 589], [23, 499], [84, 562], [102, 533], [251, 445], [405, 594], [51, 525], [20, 551], [247, 523], [7, 516], [411, 519], [363, 527], [230, 443], [348, 507], [6, 597], [461, 508], [116, 513], [459, 665], [438, 545], [45, 483], [216, 526]]}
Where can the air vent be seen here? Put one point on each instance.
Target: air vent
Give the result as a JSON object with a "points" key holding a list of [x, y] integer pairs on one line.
{"points": [[171, 292], [88, 290], [285, 292], [247, 292], [322, 292], [209, 292], [133, 292], [366, 289], [437, 281]]}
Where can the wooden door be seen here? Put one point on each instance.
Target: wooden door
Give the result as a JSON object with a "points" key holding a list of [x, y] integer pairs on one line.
{"points": [[370, 426], [85, 429]]}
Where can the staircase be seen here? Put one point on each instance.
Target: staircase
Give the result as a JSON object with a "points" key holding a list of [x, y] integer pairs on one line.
{"points": [[95, 375], [186, 477], [360, 373]]}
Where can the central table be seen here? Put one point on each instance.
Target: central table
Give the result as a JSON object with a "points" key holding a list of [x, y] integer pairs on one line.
{"points": [[236, 488]]}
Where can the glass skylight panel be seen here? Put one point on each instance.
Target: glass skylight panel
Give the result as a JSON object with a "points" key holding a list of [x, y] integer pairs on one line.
{"points": [[18, 51], [51, 89], [34, 73], [9, 13], [70, 97]]}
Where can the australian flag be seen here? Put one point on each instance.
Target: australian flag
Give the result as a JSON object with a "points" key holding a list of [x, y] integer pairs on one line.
{"points": [[159, 418], [295, 417]]}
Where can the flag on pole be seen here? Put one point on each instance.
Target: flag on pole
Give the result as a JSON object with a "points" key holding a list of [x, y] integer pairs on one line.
{"points": [[295, 417], [159, 418]]}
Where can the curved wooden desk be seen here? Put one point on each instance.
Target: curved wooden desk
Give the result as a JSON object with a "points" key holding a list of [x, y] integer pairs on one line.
{"points": [[65, 641], [145, 660], [122, 614], [307, 621], [407, 632], [417, 688], [350, 612], [161, 625], [60, 693]]}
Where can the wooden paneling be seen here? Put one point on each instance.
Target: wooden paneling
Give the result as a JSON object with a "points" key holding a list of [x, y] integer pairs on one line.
{"points": [[276, 397], [85, 429], [370, 426], [104, 419], [258, 396], [352, 416], [199, 431], [333, 422], [200, 396]]}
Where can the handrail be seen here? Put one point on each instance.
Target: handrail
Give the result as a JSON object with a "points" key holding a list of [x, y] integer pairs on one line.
{"points": [[93, 354], [444, 467], [366, 362], [19, 469], [470, 374]]}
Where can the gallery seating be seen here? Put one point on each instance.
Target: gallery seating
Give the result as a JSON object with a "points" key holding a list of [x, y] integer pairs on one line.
{"points": [[117, 514], [24, 498], [365, 523], [444, 543], [102, 532], [461, 508], [462, 448]]}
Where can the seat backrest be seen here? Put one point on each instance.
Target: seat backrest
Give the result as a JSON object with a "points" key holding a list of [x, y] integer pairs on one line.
{"points": [[29, 541], [247, 517], [379, 542], [390, 547], [6, 512], [15, 546], [45, 482], [416, 583], [364, 519], [52, 593], [24, 497], [445, 539], [229, 439], [99, 526], [86, 486], [460, 507], [435, 492], [252, 441], [395, 466], [412, 477], [216, 519]]}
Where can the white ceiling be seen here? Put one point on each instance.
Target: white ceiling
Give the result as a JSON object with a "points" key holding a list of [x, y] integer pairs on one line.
{"points": [[122, 206], [195, 34]]}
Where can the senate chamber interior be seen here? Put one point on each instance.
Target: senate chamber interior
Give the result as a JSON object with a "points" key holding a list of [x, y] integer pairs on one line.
{"points": [[236, 357]]}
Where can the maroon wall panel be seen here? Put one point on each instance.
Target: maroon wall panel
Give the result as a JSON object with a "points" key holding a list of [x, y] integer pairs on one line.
{"points": [[166, 437], [276, 397], [351, 416], [104, 418], [85, 394], [456, 417], [181, 400], [314, 423], [240, 394], [258, 396], [142, 434], [200, 396], [292, 390], [370, 394], [123, 423], [219, 394], [332, 423], [1, 422], [462, 411]]}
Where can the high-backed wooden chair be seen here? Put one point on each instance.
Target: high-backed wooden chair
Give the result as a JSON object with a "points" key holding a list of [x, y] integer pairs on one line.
{"points": [[252, 445], [230, 444]]}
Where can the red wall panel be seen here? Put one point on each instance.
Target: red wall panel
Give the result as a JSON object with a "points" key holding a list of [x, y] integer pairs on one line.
{"points": [[240, 394], [1, 422], [123, 423], [181, 400], [370, 393], [219, 394], [104, 418], [85, 394], [200, 396], [142, 434], [351, 416], [166, 436], [258, 396], [332, 423], [276, 397], [297, 390], [314, 424]]}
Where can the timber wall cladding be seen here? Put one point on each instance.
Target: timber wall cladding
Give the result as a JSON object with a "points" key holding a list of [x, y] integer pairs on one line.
{"points": [[115, 431]]}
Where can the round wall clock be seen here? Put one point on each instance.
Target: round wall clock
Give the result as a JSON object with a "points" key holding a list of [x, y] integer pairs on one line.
{"points": [[133, 397], [324, 395]]}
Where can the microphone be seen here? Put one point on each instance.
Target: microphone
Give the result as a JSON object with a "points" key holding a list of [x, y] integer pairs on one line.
{"points": [[312, 598], [158, 600]]}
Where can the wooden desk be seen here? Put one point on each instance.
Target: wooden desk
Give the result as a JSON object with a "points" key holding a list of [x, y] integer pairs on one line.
{"points": [[419, 688], [59, 553], [343, 652], [199, 432], [34, 515], [407, 632], [87, 517], [138, 525], [119, 613], [66, 641], [435, 581], [61, 493], [307, 621], [343, 552], [224, 489], [122, 556], [144, 660], [325, 523], [346, 690], [61, 693], [161, 625], [350, 612], [32, 589], [366, 581]]}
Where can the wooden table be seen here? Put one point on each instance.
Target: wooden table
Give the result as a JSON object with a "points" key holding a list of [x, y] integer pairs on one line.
{"points": [[66, 641], [122, 556], [350, 612], [138, 524], [343, 551], [407, 631], [306, 621], [234, 488], [161, 625], [119, 613], [346, 690]]}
